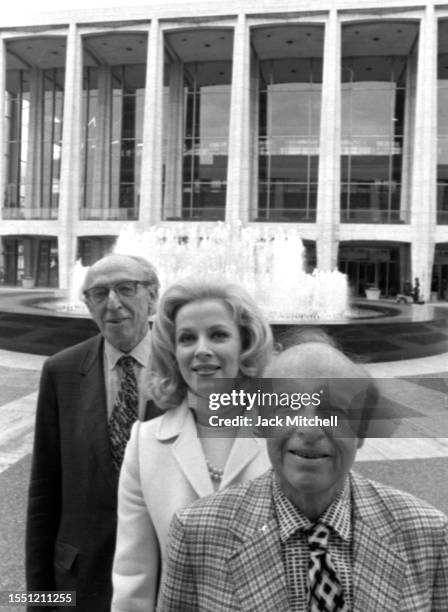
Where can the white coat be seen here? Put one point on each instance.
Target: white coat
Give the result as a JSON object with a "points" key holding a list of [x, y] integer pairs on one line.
{"points": [[164, 470]]}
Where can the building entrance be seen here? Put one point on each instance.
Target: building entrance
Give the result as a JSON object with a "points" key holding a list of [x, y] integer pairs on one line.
{"points": [[12, 260], [384, 267], [33, 257], [439, 284], [47, 264]]}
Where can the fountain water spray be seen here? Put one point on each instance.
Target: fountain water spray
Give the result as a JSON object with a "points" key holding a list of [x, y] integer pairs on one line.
{"points": [[269, 264]]}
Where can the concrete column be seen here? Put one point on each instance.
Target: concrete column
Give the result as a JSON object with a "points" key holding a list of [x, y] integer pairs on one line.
{"points": [[33, 183], [424, 159], [328, 199], [70, 182], [172, 205], [3, 127], [101, 171], [239, 166], [151, 175]]}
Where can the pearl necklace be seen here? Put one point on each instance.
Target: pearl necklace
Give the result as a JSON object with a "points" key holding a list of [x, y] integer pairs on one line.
{"points": [[216, 474]]}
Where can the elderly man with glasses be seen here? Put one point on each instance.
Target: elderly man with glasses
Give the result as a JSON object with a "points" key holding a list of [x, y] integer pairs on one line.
{"points": [[89, 397]]}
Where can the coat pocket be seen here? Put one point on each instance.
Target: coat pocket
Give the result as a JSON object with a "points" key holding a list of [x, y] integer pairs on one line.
{"points": [[65, 555]]}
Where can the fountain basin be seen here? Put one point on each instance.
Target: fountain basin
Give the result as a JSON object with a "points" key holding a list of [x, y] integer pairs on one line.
{"points": [[357, 310], [397, 332]]}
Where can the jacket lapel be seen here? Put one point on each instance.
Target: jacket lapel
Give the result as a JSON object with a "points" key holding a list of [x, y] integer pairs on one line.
{"points": [[378, 567], [92, 404], [187, 450], [256, 566], [242, 453]]}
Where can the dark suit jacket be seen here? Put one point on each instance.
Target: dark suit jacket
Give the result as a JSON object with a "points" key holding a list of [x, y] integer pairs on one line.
{"points": [[225, 553], [72, 506]]}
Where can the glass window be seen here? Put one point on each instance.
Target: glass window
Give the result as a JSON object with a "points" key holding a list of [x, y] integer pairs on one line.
{"points": [[113, 108], [442, 125], [372, 150], [205, 158], [373, 111], [52, 138], [196, 120], [288, 63], [17, 127], [34, 98]]}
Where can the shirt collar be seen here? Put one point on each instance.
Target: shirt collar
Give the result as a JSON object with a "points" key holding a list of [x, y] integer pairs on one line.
{"points": [[291, 519], [141, 352]]}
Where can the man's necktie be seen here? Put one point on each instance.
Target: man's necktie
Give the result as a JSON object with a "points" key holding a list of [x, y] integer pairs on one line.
{"points": [[326, 594], [124, 412]]}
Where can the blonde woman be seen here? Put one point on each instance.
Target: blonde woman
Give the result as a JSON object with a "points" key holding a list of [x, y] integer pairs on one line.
{"points": [[202, 330]]}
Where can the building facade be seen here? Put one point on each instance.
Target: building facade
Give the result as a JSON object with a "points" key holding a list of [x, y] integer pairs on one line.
{"points": [[329, 115]]}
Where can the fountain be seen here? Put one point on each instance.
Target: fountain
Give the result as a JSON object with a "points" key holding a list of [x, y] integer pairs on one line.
{"points": [[74, 304], [270, 265]]}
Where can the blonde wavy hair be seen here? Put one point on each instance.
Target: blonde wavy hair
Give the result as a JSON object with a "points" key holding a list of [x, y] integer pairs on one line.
{"points": [[168, 388]]}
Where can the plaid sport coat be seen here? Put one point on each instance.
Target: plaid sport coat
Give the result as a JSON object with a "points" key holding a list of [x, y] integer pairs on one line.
{"points": [[225, 553]]}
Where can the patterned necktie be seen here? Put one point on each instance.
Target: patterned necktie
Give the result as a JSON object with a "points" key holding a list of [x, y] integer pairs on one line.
{"points": [[326, 594], [124, 412]]}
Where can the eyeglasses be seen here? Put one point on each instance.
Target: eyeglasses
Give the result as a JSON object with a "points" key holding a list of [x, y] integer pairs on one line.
{"points": [[124, 289]]}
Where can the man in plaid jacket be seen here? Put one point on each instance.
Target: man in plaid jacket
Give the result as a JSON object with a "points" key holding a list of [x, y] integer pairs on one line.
{"points": [[249, 548]]}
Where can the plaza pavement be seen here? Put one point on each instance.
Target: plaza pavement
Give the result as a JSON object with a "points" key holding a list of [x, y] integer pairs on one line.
{"points": [[418, 463]]}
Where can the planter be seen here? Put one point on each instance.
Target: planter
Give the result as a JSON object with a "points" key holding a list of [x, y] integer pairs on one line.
{"points": [[373, 294], [28, 282]]}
